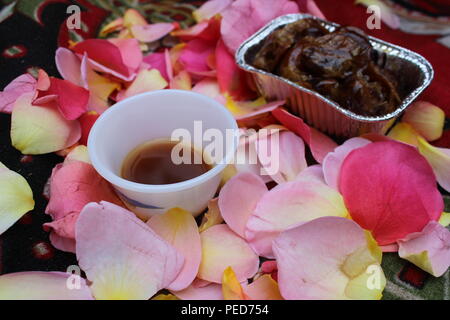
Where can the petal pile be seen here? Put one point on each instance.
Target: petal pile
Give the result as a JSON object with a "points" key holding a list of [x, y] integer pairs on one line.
{"points": [[122, 257], [312, 266]]}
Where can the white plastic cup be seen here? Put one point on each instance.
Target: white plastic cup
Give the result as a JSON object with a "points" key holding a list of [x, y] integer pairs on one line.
{"points": [[155, 115]]}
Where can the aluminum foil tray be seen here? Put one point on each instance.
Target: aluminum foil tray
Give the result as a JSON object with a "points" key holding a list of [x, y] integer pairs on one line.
{"points": [[412, 71]]}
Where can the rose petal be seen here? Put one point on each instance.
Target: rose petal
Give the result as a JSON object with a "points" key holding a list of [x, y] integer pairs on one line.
{"points": [[221, 248], [212, 291], [210, 8], [263, 288], [121, 255], [182, 81], [309, 6], [319, 143], [212, 216], [132, 17], [328, 258], [16, 197], [333, 161], [232, 80], [37, 285], [112, 26], [87, 120], [61, 243], [41, 129], [146, 80], [206, 30], [439, 159], [405, 133], [444, 220], [131, 53], [425, 118], [314, 172], [389, 189], [209, 87], [24, 83], [194, 57], [72, 100], [68, 65], [75, 184], [99, 86], [152, 32], [161, 62], [282, 155], [79, 153], [288, 204], [255, 14], [238, 199], [178, 227], [428, 249], [231, 288]]}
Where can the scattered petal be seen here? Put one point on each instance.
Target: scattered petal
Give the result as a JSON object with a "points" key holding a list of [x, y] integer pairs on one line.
{"points": [[152, 32], [194, 57], [182, 81], [121, 255], [221, 248], [41, 129], [212, 216], [161, 62], [231, 288], [238, 199], [146, 80], [289, 204], [319, 143], [333, 161], [263, 288], [16, 199], [328, 258], [444, 220], [210, 8], [428, 249], [426, 118], [212, 291], [209, 87], [24, 83], [68, 65], [38, 285], [390, 189], [178, 227]]}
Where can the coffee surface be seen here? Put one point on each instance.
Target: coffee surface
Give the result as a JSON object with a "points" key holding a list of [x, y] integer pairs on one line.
{"points": [[151, 163]]}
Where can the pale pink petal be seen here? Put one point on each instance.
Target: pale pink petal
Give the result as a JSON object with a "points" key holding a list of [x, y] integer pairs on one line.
{"points": [[328, 258], [319, 143], [288, 204], [428, 249], [212, 291], [121, 255], [390, 189], [426, 118], [178, 227], [152, 32], [24, 83], [333, 161], [210, 8], [222, 248], [41, 129], [282, 155], [389, 248], [38, 285], [69, 65], [146, 80], [209, 87], [238, 199], [255, 14], [314, 172], [61, 243], [131, 53]]}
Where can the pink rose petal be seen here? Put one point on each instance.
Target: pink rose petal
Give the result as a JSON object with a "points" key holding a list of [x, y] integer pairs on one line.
{"points": [[428, 249], [121, 255], [238, 199], [333, 161], [390, 189], [327, 258], [22, 84], [210, 8], [319, 143], [69, 65], [152, 32], [288, 204]]}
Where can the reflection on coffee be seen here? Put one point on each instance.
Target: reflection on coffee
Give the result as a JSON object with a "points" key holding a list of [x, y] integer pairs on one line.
{"points": [[151, 163]]}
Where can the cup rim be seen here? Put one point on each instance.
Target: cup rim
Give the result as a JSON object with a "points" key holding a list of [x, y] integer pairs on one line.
{"points": [[163, 188]]}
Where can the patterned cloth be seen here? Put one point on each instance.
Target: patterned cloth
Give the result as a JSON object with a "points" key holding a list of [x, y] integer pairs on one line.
{"points": [[30, 32]]}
